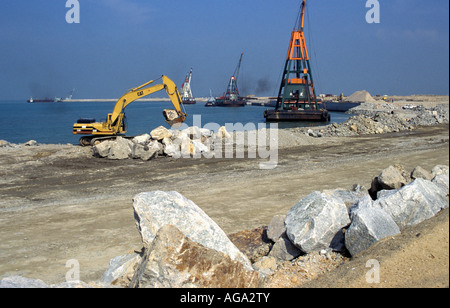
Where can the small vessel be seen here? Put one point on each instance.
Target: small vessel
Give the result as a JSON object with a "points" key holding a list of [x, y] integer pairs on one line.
{"points": [[297, 100], [43, 100], [211, 102], [339, 106], [50, 100], [186, 92], [231, 98]]}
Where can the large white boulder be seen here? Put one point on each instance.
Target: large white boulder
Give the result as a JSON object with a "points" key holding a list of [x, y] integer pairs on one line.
{"points": [[160, 133], [316, 221], [369, 225], [154, 210], [173, 260], [413, 203]]}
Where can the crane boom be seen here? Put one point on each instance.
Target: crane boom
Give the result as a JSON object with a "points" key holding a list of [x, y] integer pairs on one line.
{"points": [[302, 21], [239, 67]]}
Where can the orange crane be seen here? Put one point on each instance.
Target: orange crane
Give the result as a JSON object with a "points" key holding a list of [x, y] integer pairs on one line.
{"points": [[297, 100]]}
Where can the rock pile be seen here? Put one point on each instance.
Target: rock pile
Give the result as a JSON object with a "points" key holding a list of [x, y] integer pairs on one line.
{"points": [[322, 226], [6, 144], [378, 119], [190, 142]]}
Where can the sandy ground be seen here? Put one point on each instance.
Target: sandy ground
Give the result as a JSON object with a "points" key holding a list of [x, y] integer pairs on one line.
{"points": [[58, 203]]}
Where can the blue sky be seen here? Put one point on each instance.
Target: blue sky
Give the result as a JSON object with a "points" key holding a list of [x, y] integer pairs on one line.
{"points": [[120, 44]]}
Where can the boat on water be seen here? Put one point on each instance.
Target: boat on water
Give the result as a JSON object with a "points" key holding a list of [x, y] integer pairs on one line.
{"points": [[297, 100], [186, 92], [44, 100], [339, 106], [232, 98], [50, 100], [224, 102], [211, 102]]}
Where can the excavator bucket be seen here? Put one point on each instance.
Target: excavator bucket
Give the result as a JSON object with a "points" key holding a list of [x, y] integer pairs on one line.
{"points": [[172, 118]]}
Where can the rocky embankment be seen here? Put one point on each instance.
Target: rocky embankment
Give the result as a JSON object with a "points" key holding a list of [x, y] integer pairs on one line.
{"points": [[369, 118], [190, 142], [183, 248], [376, 118]]}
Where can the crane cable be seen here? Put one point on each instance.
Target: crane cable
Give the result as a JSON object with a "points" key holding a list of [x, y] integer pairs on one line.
{"points": [[312, 46]]}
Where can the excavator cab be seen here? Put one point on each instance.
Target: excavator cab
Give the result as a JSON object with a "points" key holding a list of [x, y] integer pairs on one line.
{"points": [[86, 121]]}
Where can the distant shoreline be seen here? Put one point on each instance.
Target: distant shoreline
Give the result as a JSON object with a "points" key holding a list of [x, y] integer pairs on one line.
{"points": [[157, 99], [418, 98], [414, 97]]}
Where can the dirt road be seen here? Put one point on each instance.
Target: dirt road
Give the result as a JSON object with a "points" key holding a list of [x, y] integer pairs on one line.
{"points": [[59, 203]]}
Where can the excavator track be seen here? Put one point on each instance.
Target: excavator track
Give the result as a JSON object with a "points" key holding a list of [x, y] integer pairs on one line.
{"points": [[85, 141], [92, 140]]}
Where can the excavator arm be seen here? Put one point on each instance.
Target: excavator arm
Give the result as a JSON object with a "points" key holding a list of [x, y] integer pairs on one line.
{"points": [[114, 123], [178, 116], [145, 90]]}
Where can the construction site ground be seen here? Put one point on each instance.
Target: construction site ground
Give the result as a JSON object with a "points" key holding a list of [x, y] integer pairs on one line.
{"points": [[59, 203]]}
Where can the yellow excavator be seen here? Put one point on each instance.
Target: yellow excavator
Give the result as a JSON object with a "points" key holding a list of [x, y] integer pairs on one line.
{"points": [[115, 124]]}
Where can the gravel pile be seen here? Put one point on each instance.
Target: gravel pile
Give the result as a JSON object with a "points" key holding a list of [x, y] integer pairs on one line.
{"points": [[360, 97], [291, 274], [378, 119]]}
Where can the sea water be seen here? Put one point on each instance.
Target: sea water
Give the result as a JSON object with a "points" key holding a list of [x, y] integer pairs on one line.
{"points": [[49, 123]]}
